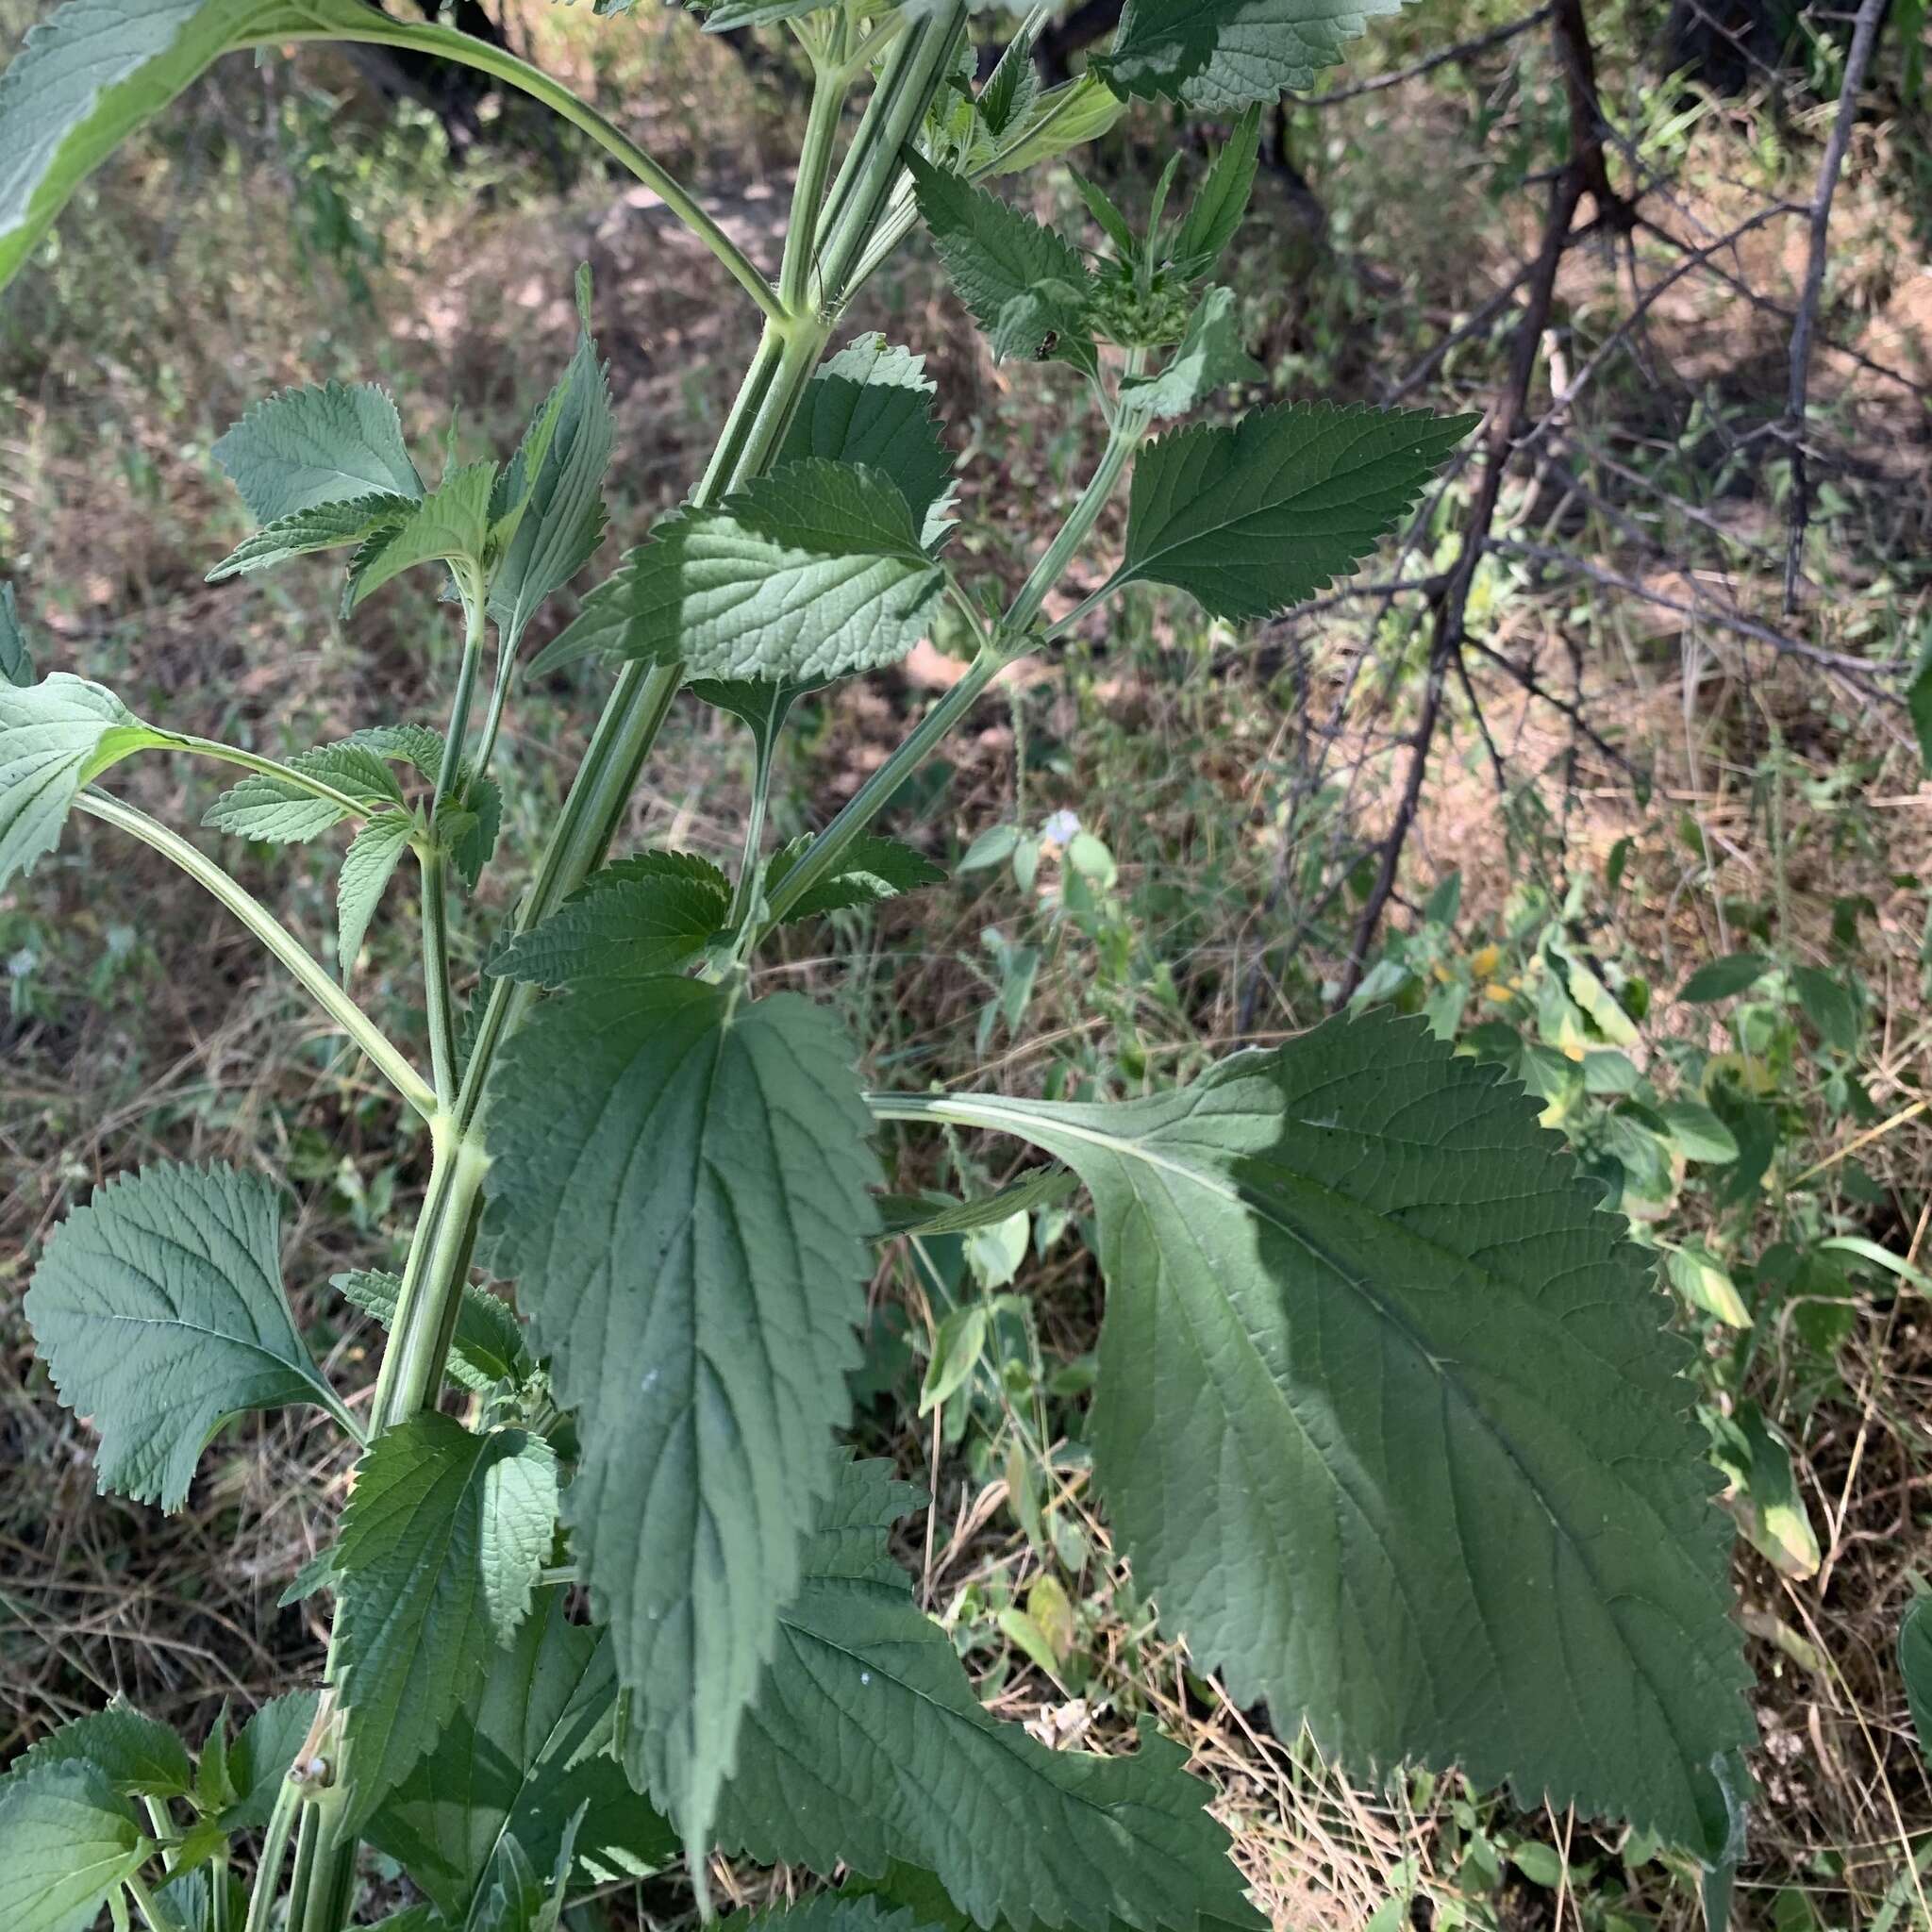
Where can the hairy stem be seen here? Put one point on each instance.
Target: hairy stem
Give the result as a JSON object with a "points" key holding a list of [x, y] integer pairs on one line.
{"points": [[308, 971]]}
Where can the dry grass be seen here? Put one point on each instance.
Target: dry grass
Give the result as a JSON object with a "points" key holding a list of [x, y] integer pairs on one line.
{"points": [[143, 1029]]}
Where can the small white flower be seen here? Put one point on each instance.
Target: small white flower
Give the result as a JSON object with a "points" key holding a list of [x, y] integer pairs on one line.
{"points": [[1061, 829]]}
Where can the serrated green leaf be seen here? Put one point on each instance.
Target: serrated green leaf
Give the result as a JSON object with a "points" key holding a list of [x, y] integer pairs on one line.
{"points": [[277, 811], [1255, 518], [1220, 205], [451, 525], [322, 526], [136, 1756], [1722, 979], [1215, 55], [16, 657], [519, 1526], [55, 737], [261, 1754], [680, 1189], [1915, 1666], [527, 1751], [1443, 1499], [1209, 356], [516, 1899], [870, 870], [560, 521], [305, 449], [903, 1214], [1021, 281], [628, 928], [158, 1310], [827, 1911], [872, 404], [488, 1346], [808, 573], [188, 1897], [1013, 86], [414, 1620], [368, 866], [66, 1842], [867, 1745]]}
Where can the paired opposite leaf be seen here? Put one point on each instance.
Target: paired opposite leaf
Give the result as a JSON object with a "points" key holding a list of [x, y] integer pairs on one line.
{"points": [[1022, 282], [16, 656], [157, 1308], [633, 921], [870, 870], [261, 1754], [488, 1346], [368, 866], [441, 1541], [1442, 1495], [319, 448], [1254, 518], [681, 1190], [867, 1747], [136, 1755], [55, 737], [525, 1755], [66, 1842], [1215, 55], [808, 573], [872, 404]]}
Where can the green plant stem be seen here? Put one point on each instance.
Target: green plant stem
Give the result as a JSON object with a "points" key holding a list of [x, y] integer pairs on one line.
{"points": [[820, 857], [744, 898], [434, 859], [151, 1914], [309, 971], [275, 1848], [775, 386], [505, 66], [829, 86]]}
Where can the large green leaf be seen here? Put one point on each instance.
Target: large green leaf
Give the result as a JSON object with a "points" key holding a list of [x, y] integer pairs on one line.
{"points": [[55, 736], [1442, 1495], [873, 404], [527, 1751], [1022, 282], [321, 447], [1220, 55], [808, 573], [420, 1572], [1254, 518], [681, 1190], [66, 1842], [867, 1745], [157, 1308], [137, 1756]]}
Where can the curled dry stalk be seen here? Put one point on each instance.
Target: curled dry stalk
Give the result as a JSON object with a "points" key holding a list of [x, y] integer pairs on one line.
{"points": [[1321, 1262]]}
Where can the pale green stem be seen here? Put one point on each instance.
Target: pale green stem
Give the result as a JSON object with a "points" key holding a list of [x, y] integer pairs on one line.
{"points": [[829, 86], [150, 1913], [599, 795], [275, 1848], [469, 52], [309, 971], [751, 868], [434, 859]]}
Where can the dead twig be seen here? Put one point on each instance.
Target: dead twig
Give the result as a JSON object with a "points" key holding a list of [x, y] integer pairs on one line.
{"points": [[1864, 35]]}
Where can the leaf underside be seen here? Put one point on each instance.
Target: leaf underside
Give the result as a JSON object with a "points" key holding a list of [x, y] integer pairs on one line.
{"points": [[1392, 1431], [158, 1310], [1216, 55]]}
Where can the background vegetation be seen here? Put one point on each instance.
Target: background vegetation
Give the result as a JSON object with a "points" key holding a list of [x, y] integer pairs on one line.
{"points": [[1546, 772]]}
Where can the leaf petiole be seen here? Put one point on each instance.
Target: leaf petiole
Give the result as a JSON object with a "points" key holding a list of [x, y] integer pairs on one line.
{"points": [[309, 971]]}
